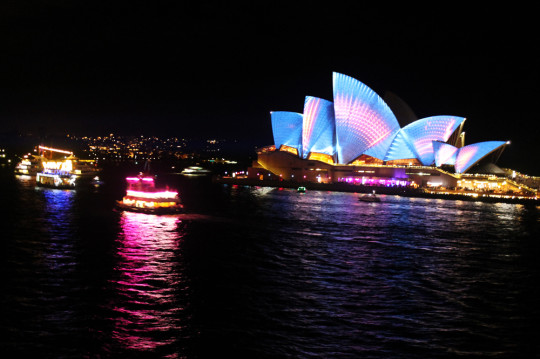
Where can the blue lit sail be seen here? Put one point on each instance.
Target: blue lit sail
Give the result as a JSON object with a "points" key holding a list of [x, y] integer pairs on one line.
{"points": [[471, 154], [400, 148], [423, 132], [360, 123], [318, 130], [363, 120], [287, 129], [445, 154]]}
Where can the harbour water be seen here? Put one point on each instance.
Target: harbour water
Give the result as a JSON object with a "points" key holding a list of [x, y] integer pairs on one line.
{"points": [[265, 272]]}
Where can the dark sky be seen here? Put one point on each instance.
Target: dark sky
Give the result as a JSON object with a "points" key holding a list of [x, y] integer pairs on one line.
{"points": [[217, 70]]}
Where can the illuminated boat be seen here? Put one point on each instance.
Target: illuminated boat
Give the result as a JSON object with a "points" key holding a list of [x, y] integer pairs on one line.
{"points": [[61, 172], [301, 189], [30, 165], [56, 174], [194, 171], [143, 196], [84, 168]]}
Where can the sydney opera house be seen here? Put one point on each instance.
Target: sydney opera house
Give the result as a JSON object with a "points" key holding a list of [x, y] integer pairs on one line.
{"points": [[360, 138]]}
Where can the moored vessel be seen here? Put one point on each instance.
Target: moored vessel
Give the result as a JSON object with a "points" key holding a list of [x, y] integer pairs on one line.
{"points": [[369, 197]]}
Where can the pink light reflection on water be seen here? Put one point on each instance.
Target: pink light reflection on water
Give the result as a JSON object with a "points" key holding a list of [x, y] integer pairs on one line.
{"points": [[147, 310]]}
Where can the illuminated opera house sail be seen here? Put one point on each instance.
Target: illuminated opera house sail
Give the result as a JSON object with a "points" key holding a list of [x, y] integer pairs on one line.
{"points": [[358, 127]]}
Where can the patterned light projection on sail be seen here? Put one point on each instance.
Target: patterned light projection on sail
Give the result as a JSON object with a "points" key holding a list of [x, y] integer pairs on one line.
{"points": [[287, 129], [445, 154], [363, 120], [400, 148], [423, 132], [469, 155], [318, 130]]}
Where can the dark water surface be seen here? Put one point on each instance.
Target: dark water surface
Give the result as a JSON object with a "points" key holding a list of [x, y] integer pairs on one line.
{"points": [[265, 273]]}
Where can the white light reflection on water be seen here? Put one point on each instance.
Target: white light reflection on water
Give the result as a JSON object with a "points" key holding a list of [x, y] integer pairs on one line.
{"points": [[147, 282], [46, 271], [402, 278], [59, 253]]}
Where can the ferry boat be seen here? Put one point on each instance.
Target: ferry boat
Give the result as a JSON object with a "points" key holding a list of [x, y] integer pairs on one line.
{"points": [[84, 168], [30, 165], [143, 196], [61, 172], [56, 174]]}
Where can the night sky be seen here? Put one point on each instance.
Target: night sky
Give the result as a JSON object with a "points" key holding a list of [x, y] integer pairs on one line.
{"points": [[207, 70]]}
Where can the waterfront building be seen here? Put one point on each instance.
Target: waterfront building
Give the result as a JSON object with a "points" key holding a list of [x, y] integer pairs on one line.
{"points": [[357, 138]]}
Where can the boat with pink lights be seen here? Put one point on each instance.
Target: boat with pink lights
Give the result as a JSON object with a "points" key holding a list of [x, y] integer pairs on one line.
{"points": [[143, 196]]}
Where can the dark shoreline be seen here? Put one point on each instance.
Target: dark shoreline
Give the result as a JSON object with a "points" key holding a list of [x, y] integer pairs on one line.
{"points": [[396, 191]]}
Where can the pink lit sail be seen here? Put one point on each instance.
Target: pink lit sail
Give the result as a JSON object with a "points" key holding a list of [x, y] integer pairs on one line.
{"points": [[318, 130], [471, 154], [423, 132], [311, 111], [445, 154], [363, 120], [464, 157]]}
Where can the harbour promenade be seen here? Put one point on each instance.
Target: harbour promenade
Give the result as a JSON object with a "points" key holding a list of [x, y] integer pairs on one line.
{"points": [[397, 191]]}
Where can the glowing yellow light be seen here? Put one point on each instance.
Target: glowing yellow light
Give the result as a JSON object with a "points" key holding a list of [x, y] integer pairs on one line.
{"points": [[289, 149], [321, 157], [55, 150], [58, 165]]}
